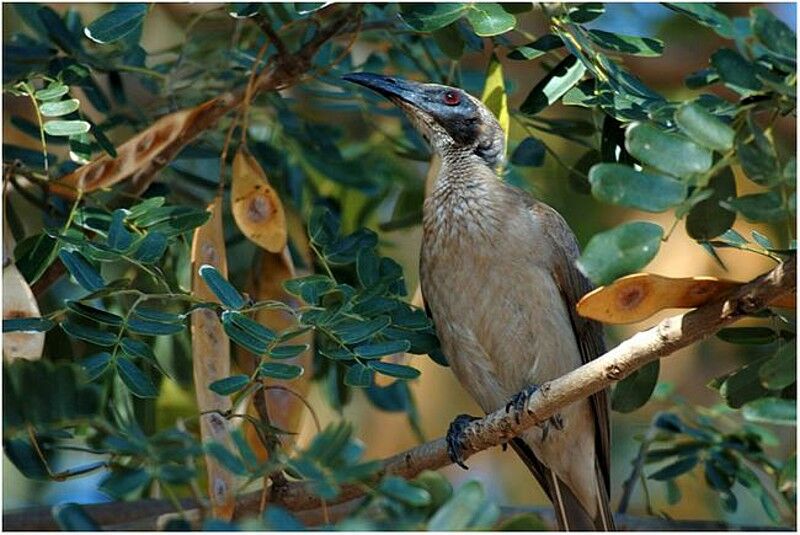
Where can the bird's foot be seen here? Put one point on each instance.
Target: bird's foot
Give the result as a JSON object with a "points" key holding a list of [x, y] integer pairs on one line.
{"points": [[555, 421], [520, 401], [455, 438]]}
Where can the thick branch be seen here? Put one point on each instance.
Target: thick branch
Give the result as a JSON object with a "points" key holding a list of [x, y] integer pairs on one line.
{"points": [[498, 427]]}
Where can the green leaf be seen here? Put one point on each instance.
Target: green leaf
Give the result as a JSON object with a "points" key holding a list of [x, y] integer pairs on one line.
{"points": [[399, 371], [250, 326], [230, 461], [310, 288], [539, 47], [358, 376], [430, 17], [399, 489], [368, 268], [230, 385], [762, 240], [96, 314], [735, 71], [743, 385], [771, 411], [59, 108], [72, 517], [116, 24], [758, 157], [34, 255], [153, 328], [123, 481], [137, 382], [635, 390], [119, 238], [96, 365], [704, 128], [557, 82], [670, 153], [488, 19], [530, 152], [224, 291], [380, 349], [66, 128], [760, 207], [706, 15], [27, 325], [780, 370], [620, 251], [773, 33], [462, 510], [747, 335], [701, 78], [524, 522], [137, 348], [708, 219], [449, 41], [89, 334], [622, 185], [83, 272], [627, 44], [244, 338], [279, 370], [287, 352], [151, 248], [582, 13], [352, 331], [53, 91], [675, 469]]}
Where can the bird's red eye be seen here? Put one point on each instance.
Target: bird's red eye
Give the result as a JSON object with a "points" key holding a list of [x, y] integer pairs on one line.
{"points": [[451, 98]]}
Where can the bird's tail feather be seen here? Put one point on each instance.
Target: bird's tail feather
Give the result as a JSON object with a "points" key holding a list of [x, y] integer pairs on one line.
{"points": [[570, 514]]}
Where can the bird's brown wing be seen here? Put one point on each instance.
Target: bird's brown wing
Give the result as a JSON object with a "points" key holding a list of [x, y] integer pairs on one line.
{"points": [[588, 333]]}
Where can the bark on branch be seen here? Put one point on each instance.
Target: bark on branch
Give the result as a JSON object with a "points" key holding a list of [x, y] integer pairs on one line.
{"points": [[498, 427]]}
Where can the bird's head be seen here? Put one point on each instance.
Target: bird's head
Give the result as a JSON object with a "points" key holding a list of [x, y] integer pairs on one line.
{"points": [[451, 120]]}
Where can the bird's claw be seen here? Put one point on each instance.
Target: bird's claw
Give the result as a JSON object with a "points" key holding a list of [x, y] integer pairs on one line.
{"points": [[520, 401], [455, 438], [555, 421]]}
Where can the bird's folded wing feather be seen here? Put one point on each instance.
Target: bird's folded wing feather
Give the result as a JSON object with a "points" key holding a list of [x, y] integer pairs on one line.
{"points": [[589, 334]]}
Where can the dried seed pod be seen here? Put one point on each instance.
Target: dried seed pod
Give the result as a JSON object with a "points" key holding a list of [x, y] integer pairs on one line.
{"points": [[256, 207], [144, 154], [211, 360], [639, 296], [18, 302], [285, 409]]}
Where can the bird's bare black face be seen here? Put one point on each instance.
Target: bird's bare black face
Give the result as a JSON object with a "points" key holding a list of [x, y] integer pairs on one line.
{"points": [[450, 107]]}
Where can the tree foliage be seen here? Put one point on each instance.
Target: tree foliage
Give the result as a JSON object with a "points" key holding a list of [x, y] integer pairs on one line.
{"points": [[111, 264]]}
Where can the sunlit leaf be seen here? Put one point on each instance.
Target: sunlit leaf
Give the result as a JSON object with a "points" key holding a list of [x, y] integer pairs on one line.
{"points": [[619, 251], [557, 82], [620, 184], [117, 23]]}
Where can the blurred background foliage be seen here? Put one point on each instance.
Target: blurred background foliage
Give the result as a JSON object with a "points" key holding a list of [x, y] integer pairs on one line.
{"points": [[665, 135]]}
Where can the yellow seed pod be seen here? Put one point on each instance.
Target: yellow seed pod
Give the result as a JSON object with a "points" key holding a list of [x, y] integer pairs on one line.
{"points": [[639, 296], [256, 206]]}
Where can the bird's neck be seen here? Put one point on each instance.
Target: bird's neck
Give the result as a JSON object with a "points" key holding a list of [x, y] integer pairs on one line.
{"points": [[462, 194]]}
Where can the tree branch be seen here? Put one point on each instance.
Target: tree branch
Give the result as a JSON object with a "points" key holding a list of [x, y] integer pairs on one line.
{"points": [[498, 427]]}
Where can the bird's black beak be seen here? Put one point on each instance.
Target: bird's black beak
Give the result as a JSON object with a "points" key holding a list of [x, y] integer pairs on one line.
{"points": [[390, 87]]}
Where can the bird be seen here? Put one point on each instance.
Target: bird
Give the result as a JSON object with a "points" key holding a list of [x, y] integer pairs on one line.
{"points": [[499, 280]]}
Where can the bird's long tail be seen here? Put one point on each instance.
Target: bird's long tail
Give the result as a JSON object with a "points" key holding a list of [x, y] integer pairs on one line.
{"points": [[570, 514]]}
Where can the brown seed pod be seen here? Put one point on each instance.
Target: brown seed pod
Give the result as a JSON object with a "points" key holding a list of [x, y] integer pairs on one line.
{"points": [[256, 207], [211, 360]]}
